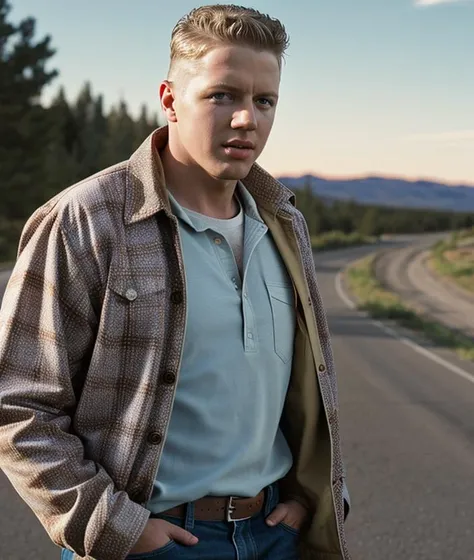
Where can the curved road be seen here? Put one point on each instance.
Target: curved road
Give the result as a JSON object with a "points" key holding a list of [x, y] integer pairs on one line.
{"points": [[404, 272], [408, 436]]}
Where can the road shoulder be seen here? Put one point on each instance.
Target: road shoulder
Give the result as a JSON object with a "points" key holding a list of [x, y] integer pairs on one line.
{"points": [[416, 341], [403, 271]]}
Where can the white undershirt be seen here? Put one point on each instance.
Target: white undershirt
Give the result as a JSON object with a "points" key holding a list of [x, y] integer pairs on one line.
{"points": [[232, 230]]}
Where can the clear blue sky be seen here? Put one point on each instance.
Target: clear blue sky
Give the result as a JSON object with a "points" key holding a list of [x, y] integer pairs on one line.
{"points": [[369, 86]]}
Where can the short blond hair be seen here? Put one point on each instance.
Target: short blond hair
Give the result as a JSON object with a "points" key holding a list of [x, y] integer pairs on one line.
{"points": [[206, 27]]}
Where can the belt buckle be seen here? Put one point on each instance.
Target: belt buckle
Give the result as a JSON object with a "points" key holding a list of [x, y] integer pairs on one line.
{"points": [[231, 509]]}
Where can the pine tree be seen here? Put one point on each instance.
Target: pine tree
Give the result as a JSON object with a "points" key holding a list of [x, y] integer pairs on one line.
{"points": [[83, 113], [61, 165], [155, 122], [121, 135], [92, 127], [370, 223], [99, 127], [23, 122], [143, 127]]}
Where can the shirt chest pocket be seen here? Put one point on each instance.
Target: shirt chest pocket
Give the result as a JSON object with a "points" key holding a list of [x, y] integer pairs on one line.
{"points": [[282, 301]]}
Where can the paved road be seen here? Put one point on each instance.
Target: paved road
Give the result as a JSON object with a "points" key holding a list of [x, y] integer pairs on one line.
{"points": [[404, 271], [408, 433]]}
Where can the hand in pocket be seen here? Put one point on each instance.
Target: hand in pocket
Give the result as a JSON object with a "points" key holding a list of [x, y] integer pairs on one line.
{"points": [[158, 533]]}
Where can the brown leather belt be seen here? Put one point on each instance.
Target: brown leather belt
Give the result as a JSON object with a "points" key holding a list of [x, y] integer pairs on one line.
{"points": [[213, 508]]}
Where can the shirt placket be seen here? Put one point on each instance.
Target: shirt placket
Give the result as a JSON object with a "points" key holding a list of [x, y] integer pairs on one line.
{"points": [[254, 232]]}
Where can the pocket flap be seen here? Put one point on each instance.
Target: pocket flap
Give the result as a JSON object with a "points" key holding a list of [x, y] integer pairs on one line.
{"points": [[123, 284], [282, 292]]}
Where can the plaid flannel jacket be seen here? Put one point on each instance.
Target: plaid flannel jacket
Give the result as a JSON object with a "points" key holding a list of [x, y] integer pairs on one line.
{"points": [[91, 335]]}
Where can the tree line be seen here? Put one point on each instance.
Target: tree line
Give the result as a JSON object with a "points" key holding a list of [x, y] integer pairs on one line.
{"points": [[349, 216], [44, 149]]}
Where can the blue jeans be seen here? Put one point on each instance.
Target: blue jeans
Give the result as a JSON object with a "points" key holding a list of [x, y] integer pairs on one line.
{"points": [[251, 539]]}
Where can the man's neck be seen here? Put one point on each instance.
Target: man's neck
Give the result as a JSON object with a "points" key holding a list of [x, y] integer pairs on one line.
{"points": [[205, 195]]}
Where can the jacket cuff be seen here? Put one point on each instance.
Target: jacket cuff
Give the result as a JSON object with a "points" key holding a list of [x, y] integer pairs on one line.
{"points": [[124, 526]]}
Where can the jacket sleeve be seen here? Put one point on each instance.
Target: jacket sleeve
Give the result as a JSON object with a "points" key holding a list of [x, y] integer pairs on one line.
{"points": [[47, 334]]}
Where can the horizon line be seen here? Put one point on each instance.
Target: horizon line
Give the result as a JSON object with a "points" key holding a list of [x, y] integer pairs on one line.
{"points": [[370, 175]]}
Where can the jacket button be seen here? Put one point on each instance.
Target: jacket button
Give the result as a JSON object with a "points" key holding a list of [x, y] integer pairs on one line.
{"points": [[322, 368], [131, 294], [169, 377], [154, 438], [177, 297]]}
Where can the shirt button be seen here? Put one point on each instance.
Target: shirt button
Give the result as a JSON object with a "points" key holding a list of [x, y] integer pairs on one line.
{"points": [[217, 240], [154, 438], [249, 335], [131, 294], [322, 368], [177, 297], [169, 377], [246, 295]]}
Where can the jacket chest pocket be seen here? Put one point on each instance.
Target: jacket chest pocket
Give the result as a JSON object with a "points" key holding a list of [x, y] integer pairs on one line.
{"points": [[139, 308], [282, 301]]}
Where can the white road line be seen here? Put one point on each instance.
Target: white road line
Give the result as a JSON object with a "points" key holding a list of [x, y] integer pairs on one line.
{"points": [[416, 347], [341, 293]]}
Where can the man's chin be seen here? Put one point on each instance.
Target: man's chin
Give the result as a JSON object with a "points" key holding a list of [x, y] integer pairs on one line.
{"points": [[234, 172]]}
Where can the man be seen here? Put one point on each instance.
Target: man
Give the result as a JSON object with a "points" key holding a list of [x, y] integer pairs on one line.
{"points": [[167, 387]]}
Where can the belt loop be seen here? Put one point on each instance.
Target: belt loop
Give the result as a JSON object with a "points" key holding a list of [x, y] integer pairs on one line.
{"points": [[271, 498], [189, 517]]}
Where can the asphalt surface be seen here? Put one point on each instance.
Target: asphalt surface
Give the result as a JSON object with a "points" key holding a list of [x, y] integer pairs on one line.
{"points": [[404, 271], [408, 440]]}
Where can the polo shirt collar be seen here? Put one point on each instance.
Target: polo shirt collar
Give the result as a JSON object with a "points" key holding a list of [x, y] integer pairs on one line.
{"points": [[146, 191], [248, 204]]}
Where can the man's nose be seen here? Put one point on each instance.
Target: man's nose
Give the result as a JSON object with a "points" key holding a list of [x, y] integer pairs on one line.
{"points": [[245, 118]]}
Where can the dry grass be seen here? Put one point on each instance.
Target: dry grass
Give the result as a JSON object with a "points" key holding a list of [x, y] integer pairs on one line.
{"points": [[383, 304], [454, 260], [338, 240]]}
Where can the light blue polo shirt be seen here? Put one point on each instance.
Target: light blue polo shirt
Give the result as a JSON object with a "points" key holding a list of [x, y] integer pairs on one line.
{"points": [[224, 436]]}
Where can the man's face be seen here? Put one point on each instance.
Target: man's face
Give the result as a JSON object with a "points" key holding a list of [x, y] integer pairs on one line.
{"points": [[228, 96]]}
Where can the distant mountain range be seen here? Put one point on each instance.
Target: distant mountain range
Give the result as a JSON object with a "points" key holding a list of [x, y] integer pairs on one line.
{"points": [[382, 191]]}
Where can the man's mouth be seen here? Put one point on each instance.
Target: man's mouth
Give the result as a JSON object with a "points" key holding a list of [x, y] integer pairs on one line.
{"points": [[240, 144], [238, 151]]}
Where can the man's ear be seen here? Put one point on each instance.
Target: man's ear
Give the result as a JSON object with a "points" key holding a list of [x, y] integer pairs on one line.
{"points": [[167, 100]]}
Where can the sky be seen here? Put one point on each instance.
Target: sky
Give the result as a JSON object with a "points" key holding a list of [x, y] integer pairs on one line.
{"points": [[369, 87]]}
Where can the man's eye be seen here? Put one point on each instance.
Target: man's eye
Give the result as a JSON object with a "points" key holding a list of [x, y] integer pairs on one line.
{"points": [[220, 96], [266, 101]]}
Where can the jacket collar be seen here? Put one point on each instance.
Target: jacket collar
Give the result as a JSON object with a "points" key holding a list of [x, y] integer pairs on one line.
{"points": [[146, 192]]}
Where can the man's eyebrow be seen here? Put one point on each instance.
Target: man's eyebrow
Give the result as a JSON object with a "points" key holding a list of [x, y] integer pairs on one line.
{"points": [[234, 89]]}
